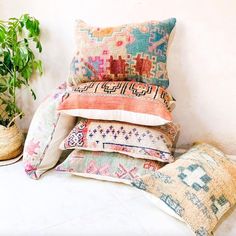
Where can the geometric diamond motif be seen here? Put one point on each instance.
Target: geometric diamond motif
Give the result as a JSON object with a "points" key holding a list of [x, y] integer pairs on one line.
{"points": [[194, 176], [219, 205], [116, 132]]}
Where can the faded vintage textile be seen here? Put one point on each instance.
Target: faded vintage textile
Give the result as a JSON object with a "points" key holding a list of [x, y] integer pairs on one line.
{"points": [[154, 143], [200, 187], [47, 129], [108, 166], [132, 102], [128, 52]]}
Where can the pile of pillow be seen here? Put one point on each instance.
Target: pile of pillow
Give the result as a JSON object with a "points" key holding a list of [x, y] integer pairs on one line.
{"points": [[117, 150], [115, 114], [124, 127], [114, 108]]}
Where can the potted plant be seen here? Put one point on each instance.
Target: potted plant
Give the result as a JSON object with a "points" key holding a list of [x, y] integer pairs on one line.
{"points": [[18, 38]]}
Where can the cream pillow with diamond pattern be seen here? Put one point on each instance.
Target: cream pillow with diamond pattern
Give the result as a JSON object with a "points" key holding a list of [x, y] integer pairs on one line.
{"points": [[153, 143]]}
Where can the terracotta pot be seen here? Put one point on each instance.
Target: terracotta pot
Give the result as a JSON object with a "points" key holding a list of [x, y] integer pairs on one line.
{"points": [[11, 142]]}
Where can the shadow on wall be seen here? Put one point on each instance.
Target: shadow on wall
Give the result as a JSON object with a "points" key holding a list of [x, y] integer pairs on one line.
{"points": [[51, 78], [185, 112]]}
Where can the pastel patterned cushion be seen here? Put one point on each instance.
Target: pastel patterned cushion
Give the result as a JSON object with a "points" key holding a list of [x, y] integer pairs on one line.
{"points": [[132, 102], [127, 52], [47, 129], [108, 166], [153, 143], [200, 187]]}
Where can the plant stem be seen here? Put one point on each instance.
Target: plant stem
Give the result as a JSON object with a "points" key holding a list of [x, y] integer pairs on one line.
{"points": [[14, 90], [7, 69], [14, 70]]}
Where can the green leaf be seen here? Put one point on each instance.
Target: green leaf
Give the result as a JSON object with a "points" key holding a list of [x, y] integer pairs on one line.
{"points": [[39, 46], [3, 88], [29, 24], [19, 28], [3, 69], [27, 72], [13, 19], [33, 94], [2, 34], [21, 25], [38, 66], [21, 56], [7, 60]]}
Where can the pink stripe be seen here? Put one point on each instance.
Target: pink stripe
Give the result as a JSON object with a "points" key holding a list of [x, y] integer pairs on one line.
{"points": [[76, 101]]}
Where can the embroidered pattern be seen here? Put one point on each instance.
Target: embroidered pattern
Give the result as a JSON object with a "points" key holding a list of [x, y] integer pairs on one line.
{"points": [[143, 66], [42, 132], [194, 176], [198, 203], [125, 101], [117, 67], [133, 140], [127, 173], [139, 183], [76, 138], [164, 178], [139, 89], [128, 52], [152, 165], [201, 232], [172, 203], [106, 164], [93, 169], [127, 89], [219, 206], [31, 147]]}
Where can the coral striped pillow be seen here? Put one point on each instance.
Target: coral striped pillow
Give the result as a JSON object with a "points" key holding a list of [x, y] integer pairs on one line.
{"points": [[132, 102]]}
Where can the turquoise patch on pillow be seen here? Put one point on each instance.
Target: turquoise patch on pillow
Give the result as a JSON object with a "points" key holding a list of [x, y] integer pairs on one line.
{"points": [[135, 52]]}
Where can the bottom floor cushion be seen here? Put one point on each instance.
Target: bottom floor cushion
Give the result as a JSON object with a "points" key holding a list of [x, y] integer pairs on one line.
{"points": [[108, 166], [200, 187]]}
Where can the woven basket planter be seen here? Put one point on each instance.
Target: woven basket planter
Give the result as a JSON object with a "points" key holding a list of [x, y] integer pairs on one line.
{"points": [[11, 142]]}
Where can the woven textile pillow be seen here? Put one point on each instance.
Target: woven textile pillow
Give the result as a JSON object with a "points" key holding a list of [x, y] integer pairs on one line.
{"points": [[108, 166], [200, 187], [152, 143], [132, 102], [47, 129], [127, 52]]}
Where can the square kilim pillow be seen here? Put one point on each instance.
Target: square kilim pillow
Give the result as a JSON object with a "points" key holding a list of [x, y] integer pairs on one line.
{"points": [[200, 187], [128, 52]]}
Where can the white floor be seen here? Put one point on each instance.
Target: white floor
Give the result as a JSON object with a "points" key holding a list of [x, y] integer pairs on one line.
{"points": [[60, 204]]}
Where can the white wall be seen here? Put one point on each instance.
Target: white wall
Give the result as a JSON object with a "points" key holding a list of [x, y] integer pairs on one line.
{"points": [[202, 65]]}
